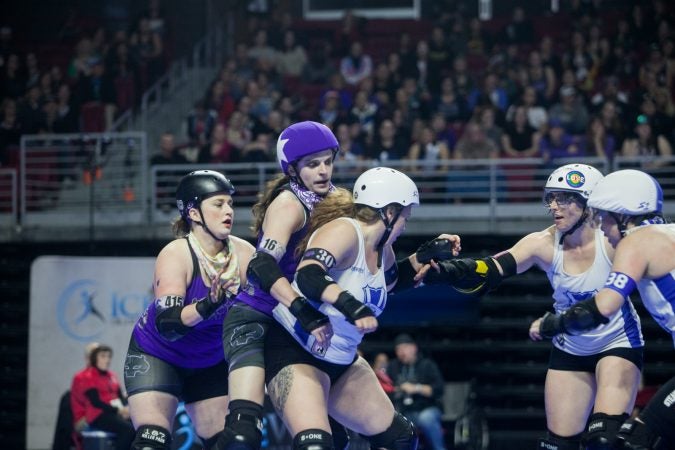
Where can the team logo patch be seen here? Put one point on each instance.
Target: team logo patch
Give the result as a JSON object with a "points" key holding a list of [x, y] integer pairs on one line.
{"points": [[575, 179]]}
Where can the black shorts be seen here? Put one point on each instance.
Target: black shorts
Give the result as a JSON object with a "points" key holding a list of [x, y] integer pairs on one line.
{"points": [[282, 350], [244, 332], [561, 360], [144, 372]]}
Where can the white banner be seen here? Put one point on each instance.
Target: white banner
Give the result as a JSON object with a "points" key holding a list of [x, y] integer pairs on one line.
{"points": [[73, 301]]}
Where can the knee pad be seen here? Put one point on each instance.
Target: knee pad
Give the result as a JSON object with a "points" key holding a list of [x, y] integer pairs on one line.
{"points": [[602, 430], [340, 435], [635, 435], [243, 427], [151, 437], [400, 435], [555, 442], [313, 438]]}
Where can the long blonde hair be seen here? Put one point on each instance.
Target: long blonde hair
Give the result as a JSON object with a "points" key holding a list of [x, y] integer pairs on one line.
{"points": [[338, 203], [264, 200]]}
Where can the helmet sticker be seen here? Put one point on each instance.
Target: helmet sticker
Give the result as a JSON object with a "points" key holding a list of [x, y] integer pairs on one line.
{"points": [[575, 179]]}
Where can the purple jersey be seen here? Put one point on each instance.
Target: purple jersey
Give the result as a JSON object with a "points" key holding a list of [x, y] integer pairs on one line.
{"points": [[261, 300], [201, 347]]}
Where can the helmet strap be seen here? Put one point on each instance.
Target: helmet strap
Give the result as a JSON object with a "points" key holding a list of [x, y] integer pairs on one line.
{"points": [[388, 227], [575, 227], [205, 227]]}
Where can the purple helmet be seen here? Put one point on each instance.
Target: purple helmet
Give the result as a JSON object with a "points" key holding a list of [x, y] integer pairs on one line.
{"points": [[302, 139]]}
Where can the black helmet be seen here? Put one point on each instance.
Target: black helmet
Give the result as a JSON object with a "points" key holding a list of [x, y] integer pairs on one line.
{"points": [[198, 185]]}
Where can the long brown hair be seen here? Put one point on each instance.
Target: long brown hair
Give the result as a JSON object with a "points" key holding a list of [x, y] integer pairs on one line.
{"points": [[264, 200], [180, 227], [338, 203]]}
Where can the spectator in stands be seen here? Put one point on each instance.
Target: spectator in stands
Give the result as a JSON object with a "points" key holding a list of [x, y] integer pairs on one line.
{"points": [[261, 49], [80, 65], [12, 83], [29, 111], [537, 117], [200, 123], [490, 93], [319, 66], [105, 405], [520, 29], [150, 47], [450, 104], [418, 389], [434, 154], [440, 59], [520, 139], [332, 113], [351, 149], [364, 112], [613, 121], [387, 144], [98, 87], [443, 131], [647, 144], [570, 112], [305, 378], [10, 131], [542, 77], [557, 143], [579, 60], [474, 144], [176, 349], [379, 365], [628, 206], [68, 120], [168, 154], [356, 66], [260, 149], [598, 142], [601, 367], [487, 118], [479, 41], [292, 57]]}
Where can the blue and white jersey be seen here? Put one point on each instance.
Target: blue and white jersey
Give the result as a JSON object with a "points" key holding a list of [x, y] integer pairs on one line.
{"points": [[369, 288], [658, 295], [623, 329]]}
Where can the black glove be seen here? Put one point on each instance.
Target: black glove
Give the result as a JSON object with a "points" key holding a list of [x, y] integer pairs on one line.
{"points": [[467, 274], [551, 325], [206, 306], [436, 249], [351, 308], [309, 317]]}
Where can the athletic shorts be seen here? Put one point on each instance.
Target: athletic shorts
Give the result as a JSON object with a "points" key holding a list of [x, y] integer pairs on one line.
{"points": [[561, 360], [144, 372], [282, 350], [244, 333]]}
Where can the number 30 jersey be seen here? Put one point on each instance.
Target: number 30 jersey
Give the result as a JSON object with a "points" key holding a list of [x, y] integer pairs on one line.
{"points": [[365, 286]]}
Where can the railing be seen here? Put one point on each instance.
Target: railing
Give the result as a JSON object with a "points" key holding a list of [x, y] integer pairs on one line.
{"points": [[103, 179]]}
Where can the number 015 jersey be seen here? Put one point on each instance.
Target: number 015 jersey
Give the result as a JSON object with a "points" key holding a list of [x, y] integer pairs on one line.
{"points": [[367, 287]]}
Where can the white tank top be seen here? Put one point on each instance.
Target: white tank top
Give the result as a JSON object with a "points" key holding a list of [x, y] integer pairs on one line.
{"points": [[623, 329], [366, 287], [658, 295]]}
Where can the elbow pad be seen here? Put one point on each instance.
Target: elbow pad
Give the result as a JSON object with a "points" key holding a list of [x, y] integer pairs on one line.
{"points": [[579, 318], [263, 271], [169, 325], [312, 280]]}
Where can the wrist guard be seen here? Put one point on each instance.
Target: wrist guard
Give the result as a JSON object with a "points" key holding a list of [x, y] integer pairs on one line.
{"points": [[206, 306], [308, 316], [579, 318], [351, 308], [436, 249]]}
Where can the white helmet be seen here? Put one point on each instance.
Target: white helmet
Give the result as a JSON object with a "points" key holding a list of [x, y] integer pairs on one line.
{"points": [[630, 192], [381, 186], [579, 178]]}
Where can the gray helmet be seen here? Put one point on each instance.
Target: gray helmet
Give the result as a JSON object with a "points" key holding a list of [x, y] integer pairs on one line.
{"points": [[199, 185]]}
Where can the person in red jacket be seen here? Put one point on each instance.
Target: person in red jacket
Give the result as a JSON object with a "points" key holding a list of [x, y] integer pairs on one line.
{"points": [[105, 404], [77, 399]]}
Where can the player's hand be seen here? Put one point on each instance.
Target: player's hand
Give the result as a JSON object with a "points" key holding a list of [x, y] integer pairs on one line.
{"points": [[366, 324], [534, 330], [323, 335]]}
